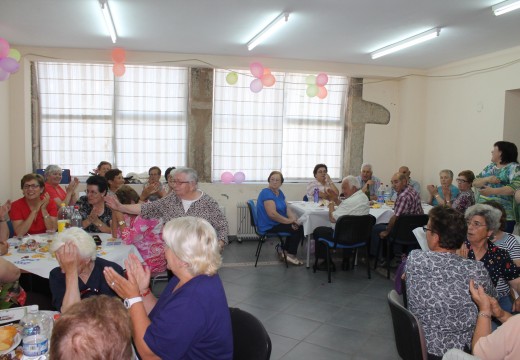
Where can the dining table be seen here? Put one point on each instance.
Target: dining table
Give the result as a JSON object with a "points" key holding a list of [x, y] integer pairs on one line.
{"points": [[312, 215], [40, 261]]}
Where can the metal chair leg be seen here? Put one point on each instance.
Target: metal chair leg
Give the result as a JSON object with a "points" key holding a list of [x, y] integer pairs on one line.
{"points": [[259, 248]]}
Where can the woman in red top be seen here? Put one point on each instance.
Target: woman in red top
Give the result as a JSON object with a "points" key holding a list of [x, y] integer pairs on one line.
{"points": [[53, 174], [34, 213]]}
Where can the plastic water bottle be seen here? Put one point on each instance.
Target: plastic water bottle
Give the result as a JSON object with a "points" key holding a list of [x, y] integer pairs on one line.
{"points": [[316, 195], [76, 220], [381, 194], [387, 193], [63, 218], [36, 331]]}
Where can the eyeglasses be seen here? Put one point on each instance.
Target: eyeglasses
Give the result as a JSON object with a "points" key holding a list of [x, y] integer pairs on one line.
{"points": [[321, 171], [426, 229], [462, 181], [475, 224], [87, 292], [177, 182], [31, 186]]}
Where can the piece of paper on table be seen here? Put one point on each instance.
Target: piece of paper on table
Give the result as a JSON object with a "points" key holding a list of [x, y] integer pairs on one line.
{"points": [[420, 235]]}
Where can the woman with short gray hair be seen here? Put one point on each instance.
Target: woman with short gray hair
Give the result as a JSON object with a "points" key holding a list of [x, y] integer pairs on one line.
{"points": [[446, 192], [52, 176]]}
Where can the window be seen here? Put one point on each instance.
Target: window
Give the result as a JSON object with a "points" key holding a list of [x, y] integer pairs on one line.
{"points": [[135, 121], [279, 128]]}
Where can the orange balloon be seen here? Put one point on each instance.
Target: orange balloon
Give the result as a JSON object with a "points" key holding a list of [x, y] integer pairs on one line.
{"points": [[119, 69], [268, 80], [119, 55], [322, 92], [267, 71]]}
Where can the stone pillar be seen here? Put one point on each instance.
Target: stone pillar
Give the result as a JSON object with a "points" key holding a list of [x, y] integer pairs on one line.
{"points": [[200, 112]]}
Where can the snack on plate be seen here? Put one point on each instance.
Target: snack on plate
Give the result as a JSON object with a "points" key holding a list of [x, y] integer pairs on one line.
{"points": [[44, 248], [7, 334], [32, 244]]}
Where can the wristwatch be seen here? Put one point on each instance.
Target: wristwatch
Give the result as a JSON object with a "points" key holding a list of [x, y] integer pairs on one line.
{"points": [[121, 223], [129, 302]]}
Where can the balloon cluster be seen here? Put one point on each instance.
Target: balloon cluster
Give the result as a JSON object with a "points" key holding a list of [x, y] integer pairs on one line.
{"points": [[316, 85], [263, 77], [9, 60], [119, 57], [228, 178]]}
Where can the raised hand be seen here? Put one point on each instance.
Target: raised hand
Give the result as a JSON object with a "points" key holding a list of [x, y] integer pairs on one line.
{"points": [[67, 256]]}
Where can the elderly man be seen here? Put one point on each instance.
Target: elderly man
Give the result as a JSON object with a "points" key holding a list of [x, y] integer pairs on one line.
{"points": [[408, 203], [415, 184], [355, 203], [369, 183]]}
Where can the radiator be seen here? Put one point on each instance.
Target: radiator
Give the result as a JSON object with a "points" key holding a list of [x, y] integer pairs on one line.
{"points": [[245, 231]]}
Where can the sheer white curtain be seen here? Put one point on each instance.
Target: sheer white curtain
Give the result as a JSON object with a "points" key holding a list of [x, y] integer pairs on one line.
{"points": [[279, 128], [134, 122]]}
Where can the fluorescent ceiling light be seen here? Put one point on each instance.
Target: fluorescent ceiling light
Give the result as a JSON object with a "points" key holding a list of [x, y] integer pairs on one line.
{"points": [[505, 7], [108, 19], [414, 40], [268, 30]]}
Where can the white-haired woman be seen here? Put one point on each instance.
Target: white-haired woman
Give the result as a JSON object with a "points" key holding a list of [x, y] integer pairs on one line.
{"points": [[80, 274], [190, 320], [53, 175], [446, 192]]}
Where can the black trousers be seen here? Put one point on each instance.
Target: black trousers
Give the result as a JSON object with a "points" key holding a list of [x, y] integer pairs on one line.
{"points": [[292, 241]]}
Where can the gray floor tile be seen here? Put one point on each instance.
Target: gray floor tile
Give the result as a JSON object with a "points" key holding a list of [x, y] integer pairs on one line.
{"points": [[313, 310], [281, 345], [377, 348], [306, 351], [338, 338], [290, 326]]}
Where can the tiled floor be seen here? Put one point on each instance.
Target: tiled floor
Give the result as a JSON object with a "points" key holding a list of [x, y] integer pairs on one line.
{"points": [[306, 317]]}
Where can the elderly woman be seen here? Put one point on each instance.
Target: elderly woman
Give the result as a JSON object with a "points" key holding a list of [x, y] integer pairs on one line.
{"points": [[35, 213], [114, 179], [145, 234], [500, 179], [153, 189], [275, 216], [483, 222], [168, 186], [102, 168], [187, 200], [190, 320], [437, 283], [446, 192], [466, 197], [80, 274], [52, 175], [322, 182], [96, 216]]}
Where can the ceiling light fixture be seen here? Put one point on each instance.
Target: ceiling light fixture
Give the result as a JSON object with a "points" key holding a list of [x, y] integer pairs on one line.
{"points": [[414, 40], [505, 7], [268, 30], [108, 20]]}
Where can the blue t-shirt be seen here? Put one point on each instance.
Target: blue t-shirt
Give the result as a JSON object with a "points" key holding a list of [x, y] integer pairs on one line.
{"points": [[264, 222], [453, 190], [191, 323]]}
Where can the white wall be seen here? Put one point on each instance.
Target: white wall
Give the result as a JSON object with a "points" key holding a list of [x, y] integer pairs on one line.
{"points": [[5, 164]]}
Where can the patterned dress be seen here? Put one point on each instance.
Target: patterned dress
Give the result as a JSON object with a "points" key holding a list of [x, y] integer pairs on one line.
{"points": [[85, 208], [464, 200]]}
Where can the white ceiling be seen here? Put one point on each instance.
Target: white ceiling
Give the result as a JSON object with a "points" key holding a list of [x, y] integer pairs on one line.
{"points": [[344, 31]]}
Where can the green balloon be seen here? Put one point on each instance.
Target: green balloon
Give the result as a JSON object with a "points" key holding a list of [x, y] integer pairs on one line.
{"points": [[310, 79], [15, 54], [232, 78], [312, 90]]}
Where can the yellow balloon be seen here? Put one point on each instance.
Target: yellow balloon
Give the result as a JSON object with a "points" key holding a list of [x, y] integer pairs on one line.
{"points": [[232, 78], [15, 54]]}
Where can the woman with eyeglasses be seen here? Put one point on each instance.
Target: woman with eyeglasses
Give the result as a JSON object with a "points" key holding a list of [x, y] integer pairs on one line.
{"points": [[35, 212], [437, 284], [153, 189], [322, 181], [466, 197], [80, 274], [96, 216], [52, 176], [187, 200], [483, 222], [500, 179], [446, 192]]}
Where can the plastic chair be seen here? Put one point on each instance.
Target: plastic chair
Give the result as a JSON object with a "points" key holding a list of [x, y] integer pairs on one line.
{"points": [[351, 232], [408, 332], [262, 236], [250, 339], [65, 175]]}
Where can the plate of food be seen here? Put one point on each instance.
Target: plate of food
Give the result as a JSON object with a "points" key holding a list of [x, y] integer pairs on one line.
{"points": [[9, 339]]}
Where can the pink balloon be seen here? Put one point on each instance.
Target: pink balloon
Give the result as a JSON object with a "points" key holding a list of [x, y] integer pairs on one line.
{"points": [[4, 48], [119, 55], [119, 69], [239, 177], [226, 177], [322, 79], [256, 85], [268, 80], [257, 70], [322, 92], [9, 64], [4, 75]]}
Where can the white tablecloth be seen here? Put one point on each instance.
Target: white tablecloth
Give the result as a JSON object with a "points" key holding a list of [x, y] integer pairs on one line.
{"points": [[41, 264]]}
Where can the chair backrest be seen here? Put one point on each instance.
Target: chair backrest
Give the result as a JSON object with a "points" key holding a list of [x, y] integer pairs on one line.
{"points": [[65, 175], [252, 212], [402, 232], [352, 229], [408, 332], [250, 339]]}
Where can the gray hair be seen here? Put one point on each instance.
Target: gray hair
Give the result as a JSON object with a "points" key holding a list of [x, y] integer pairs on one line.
{"points": [[79, 237], [194, 241], [447, 171], [190, 173], [352, 181], [491, 214], [366, 165], [50, 170]]}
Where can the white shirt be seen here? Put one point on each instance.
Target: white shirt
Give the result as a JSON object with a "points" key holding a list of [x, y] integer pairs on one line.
{"points": [[357, 204]]}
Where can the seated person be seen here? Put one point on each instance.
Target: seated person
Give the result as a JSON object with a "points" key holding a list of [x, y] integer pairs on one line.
{"points": [[191, 319], [415, 184], [153, 189], [80, 274], [466, 197], [11, 294], [144, 234], [34, 213], [446, 192], [96, 328], [114, 179], [438, 297], [52, 176], [168, 186], [96, 216], [102, 168], [322, 182], [4, 228]]}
